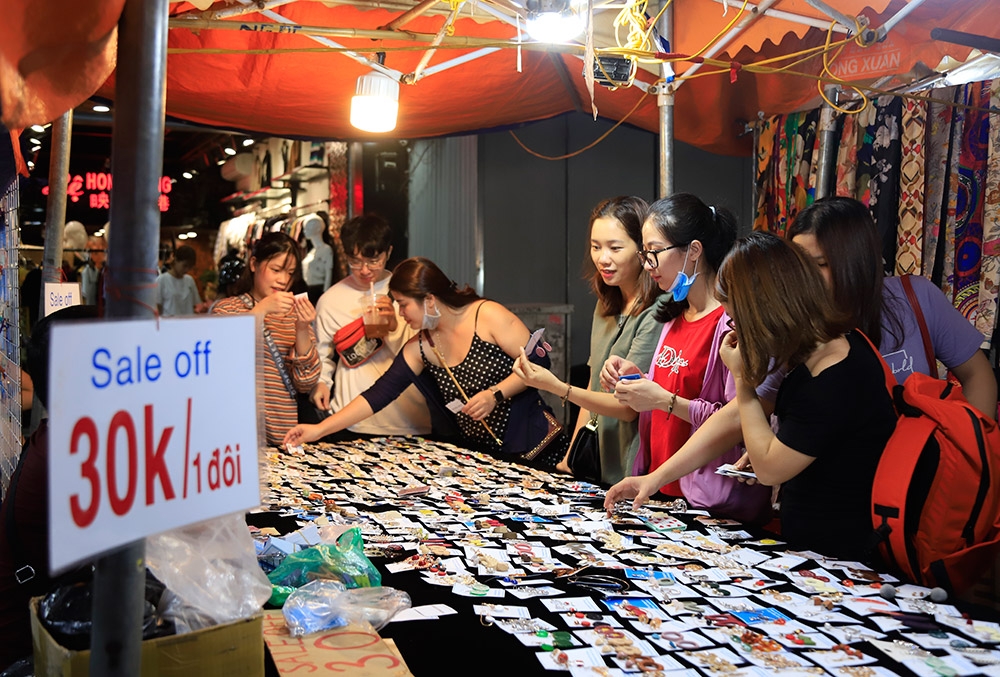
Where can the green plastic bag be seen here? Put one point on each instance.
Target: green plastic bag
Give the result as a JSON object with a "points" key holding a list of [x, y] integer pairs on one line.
{"points": [[344, 561]]}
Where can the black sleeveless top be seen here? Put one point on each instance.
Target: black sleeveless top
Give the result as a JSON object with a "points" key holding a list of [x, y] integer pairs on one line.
{"points": [[484, 366]]}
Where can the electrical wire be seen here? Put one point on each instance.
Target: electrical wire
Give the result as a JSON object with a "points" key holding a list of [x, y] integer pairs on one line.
{"points": [[589, 145]]}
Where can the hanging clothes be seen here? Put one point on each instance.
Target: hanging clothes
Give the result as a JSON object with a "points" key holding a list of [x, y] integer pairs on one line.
{"points": [[945, 278], [939, 118], [884, 184], [971, 191], [766, 207], [847, 157], [865, 138], [910, 234], [986, 320]]}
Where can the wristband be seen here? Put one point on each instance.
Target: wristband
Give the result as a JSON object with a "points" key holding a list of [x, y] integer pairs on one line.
{"points": [[565, 398], [670, 407]]}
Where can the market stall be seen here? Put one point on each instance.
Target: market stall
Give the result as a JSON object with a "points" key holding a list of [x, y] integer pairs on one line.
{"points": [[512, 569]]}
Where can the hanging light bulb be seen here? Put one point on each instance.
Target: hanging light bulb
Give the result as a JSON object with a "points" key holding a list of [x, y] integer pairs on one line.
{"points": [[375, 104], [553, 20]]}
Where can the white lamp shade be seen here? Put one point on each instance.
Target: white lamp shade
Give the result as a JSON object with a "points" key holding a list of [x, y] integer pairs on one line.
{"points": [[555, 27], [375, 104]]}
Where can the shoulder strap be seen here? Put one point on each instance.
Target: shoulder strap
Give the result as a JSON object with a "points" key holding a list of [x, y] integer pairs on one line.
{"points": [[890, 378], [475, 323], [924, 334]]}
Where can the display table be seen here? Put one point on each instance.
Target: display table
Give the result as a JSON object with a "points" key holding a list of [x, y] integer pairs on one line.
{"points": [[664, 589]]}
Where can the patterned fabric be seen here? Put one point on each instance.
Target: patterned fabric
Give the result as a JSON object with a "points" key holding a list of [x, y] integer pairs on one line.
{"points": [[847, 157], [971, 190], [805, 144], [936, 151], [910, 234], [766, 207], [865, 139], [785, 145], [884, 185], [986, 320], [945, 278]]}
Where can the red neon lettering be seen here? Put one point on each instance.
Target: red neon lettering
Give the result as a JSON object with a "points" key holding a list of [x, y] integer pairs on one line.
{"points": [[83, 517], [166, 185], [163, 203], [121, 504], [103, 200], [93, 201], [91, 179]]}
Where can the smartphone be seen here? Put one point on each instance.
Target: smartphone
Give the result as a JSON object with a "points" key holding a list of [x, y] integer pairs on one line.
{"points": [[533, 341], [629, 377]]}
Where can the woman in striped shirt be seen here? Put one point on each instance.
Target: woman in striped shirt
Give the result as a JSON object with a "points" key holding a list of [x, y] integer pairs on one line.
{"points": [[290, 361]]}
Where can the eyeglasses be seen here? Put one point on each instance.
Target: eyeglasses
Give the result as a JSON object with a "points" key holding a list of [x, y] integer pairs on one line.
{"points": [[649, 257], [373, 264]]}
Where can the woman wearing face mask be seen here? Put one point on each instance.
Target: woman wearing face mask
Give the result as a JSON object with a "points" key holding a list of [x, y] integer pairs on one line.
{"points": [[461, 361], [624, 325], [685, 242], [291, 364]]}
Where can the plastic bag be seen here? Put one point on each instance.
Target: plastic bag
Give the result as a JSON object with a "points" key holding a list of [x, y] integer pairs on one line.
{"points": [[211, 567], [344, 561], [66, 613], [322, 605]]}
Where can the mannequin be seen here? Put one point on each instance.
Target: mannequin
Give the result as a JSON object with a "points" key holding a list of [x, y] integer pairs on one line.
{"points": [[317, 264]]}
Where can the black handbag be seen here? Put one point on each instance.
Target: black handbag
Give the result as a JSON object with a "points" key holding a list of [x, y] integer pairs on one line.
{"points": [[585, 454]]}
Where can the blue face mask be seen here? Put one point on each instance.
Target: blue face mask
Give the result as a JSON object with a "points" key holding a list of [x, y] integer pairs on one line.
{"points": [[682, 283]]}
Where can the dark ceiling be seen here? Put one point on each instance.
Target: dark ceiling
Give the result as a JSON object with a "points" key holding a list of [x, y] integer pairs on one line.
{"points": [[193, 202]]}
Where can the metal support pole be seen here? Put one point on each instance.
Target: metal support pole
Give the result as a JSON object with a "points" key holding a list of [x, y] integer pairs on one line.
{"points": [[55, 221], [137, 164], [827, 150], [665, 104]]}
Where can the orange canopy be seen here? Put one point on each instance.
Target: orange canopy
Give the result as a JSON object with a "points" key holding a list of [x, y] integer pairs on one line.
{"points": [[244, 79]]}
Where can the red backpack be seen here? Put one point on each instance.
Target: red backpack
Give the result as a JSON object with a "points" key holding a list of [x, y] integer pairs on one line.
{"points": [[936, 495]]}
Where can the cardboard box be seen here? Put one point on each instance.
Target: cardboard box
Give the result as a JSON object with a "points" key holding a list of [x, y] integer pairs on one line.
{"points": [[235, 649], [355, 650]]}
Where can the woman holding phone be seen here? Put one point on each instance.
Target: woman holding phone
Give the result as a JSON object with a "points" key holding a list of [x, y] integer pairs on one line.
{"points": [[624, 325]]}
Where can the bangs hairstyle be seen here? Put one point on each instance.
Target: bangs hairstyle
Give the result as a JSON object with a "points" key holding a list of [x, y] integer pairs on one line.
{"points": [[683, 218], [776, 297], [418, 278], [629, 211], [368, 235], [845, 231], [265, 249]]}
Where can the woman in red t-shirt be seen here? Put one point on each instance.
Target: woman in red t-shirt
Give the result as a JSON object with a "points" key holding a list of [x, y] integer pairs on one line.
{"points": [[684, 243]]}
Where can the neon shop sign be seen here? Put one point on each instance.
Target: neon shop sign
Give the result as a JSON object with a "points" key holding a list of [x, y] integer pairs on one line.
{"points": [[94, 188]]}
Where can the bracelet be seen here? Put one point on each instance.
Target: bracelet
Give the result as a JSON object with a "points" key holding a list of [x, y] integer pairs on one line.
{"points": [[670, 407], [565, 398]]}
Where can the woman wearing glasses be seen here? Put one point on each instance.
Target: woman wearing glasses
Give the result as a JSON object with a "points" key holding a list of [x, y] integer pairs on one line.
{"points": [[368, 243], [460, 360], [624, 325], [685, 242]]}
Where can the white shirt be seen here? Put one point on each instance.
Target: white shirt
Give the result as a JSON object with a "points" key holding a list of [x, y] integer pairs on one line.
{"points": [[177, 296], [338, 306]]}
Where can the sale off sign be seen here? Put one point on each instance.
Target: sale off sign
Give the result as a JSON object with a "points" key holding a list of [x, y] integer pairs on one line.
{"points": [[153, 426]]}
